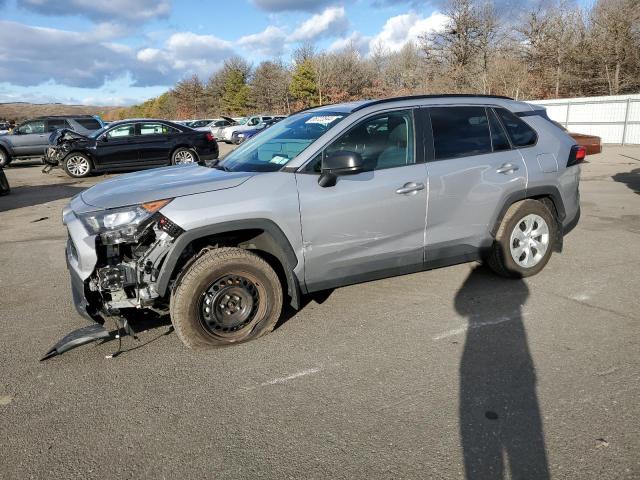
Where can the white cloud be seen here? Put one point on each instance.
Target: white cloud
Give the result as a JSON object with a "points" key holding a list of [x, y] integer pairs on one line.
{"points": [[268, 42], [332, 22], [399, 30], [101, 11], [356, 39], [32, 56]]}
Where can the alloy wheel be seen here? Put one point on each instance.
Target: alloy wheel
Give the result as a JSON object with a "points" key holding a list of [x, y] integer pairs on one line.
{"points": [[529, 241], [78, 166], [184, 156]]}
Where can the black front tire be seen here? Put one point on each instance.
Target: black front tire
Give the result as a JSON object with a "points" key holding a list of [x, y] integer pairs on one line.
{"points": [[500, 259], [187, 307], [77, 165]]}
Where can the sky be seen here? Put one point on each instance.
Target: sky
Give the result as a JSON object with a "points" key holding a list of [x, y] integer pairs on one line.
{"points": [[120, 52]]}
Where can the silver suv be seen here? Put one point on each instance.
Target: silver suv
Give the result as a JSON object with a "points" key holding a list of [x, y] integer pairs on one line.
{"points": [[330, 196]]}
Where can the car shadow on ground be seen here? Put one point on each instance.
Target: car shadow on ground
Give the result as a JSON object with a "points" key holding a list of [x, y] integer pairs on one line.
{"points": [[500, 421], [630, 179], [31, 195], [288, 312]]}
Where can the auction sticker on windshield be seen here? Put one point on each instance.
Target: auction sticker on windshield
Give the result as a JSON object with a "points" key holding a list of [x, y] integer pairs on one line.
{"points": [[323, 119]]}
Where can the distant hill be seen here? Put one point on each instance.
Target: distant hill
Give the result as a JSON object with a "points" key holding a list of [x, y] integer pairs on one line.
{"points": [[22, 110]]}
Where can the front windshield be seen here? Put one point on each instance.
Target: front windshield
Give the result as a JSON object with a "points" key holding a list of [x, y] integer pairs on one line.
{"points": [[279, 144]]}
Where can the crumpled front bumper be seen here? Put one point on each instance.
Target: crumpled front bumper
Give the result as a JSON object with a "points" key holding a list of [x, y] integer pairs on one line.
{"points": [[53, 156], [81, 257]]}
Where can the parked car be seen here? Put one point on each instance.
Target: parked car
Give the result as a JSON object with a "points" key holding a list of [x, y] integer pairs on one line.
{"points": [[238, 137], [248, 124], [4, 128], [4, 183], [591, 143], [29, 139], [129, 144], [330, 196], [196, 124], [215, 125]]}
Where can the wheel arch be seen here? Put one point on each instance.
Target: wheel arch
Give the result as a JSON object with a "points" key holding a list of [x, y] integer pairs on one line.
{"points": [[261, 236], [7, 149], [548, 195]]}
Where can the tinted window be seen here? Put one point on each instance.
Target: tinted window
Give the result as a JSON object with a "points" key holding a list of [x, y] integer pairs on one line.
{"points": [[89, 123], [156, 129], [499, 139], [56, 123], [460, 131], [521, 134], [122, 131], [383, 141]]}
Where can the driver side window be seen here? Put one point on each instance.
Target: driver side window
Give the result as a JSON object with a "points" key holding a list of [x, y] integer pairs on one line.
{"points": [[383, 141]]}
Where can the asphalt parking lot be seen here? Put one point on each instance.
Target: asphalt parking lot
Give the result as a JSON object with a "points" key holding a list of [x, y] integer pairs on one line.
{"points": [[408, 377]]}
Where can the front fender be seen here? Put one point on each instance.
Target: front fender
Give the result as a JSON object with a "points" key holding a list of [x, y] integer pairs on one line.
{"points": [[272, 241]]}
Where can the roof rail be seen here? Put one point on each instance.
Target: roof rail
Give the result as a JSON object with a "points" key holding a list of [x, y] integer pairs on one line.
{"points": [[417, 97]]}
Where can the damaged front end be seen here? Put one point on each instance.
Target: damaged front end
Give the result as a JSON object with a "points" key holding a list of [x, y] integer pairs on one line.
{"points": [[61, 142], [114, 258]]}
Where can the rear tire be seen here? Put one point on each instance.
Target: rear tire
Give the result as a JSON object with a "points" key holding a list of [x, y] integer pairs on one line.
{"points": [[184, 156], [525, 240], [77, 165], [227, 296]]}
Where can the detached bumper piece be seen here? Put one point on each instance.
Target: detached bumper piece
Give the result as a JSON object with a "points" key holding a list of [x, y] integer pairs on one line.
{"points": [[77, 338]]}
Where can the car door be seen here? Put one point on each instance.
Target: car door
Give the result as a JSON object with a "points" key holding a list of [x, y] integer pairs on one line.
{"points": [[117, 147], [155, 141], [30, 138], [472, 171], [371, 224]]}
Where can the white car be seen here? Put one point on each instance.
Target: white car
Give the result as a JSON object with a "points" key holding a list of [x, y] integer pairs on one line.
{"points": [[216, 125], [250, 123]]}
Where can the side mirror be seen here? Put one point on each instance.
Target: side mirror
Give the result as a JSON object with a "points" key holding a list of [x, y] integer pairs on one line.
{"points": [[339, 163], [103, 138]]}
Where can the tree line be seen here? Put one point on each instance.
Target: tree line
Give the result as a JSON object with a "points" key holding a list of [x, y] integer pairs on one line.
{"points": [[552, 51]]}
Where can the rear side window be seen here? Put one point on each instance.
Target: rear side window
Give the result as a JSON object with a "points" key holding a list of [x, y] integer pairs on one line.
{"points": [[56, 123], [521, 134], [460, 131], [156, 129], [499, 139], [89, 123]]}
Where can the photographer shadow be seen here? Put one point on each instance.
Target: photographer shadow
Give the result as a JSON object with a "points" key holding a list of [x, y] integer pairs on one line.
{"points": [[500, 422]]}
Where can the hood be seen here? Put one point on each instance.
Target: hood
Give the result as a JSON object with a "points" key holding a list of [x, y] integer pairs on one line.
{"points": [[63, 135], [160, 183]]}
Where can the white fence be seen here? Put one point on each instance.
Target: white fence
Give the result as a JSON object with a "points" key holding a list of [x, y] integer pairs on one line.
{"points": [[615, 119]]}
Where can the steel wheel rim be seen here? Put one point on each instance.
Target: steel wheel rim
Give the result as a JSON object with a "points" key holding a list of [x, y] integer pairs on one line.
{"points": [[184, 156], [229, 305], [78, 165], [529, 241]]}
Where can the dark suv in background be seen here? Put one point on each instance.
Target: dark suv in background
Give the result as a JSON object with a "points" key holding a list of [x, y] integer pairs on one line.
{"points": [[30, 139]]}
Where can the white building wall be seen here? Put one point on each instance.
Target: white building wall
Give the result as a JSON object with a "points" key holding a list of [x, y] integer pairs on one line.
{"points": [[615, 119]]}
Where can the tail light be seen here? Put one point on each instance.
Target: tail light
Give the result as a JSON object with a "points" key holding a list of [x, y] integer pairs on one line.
{"points": [[210, 137], [577, 155]]}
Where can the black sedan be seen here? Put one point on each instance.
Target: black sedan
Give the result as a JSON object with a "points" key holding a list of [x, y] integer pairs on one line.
{"points": [[129, 145]]}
